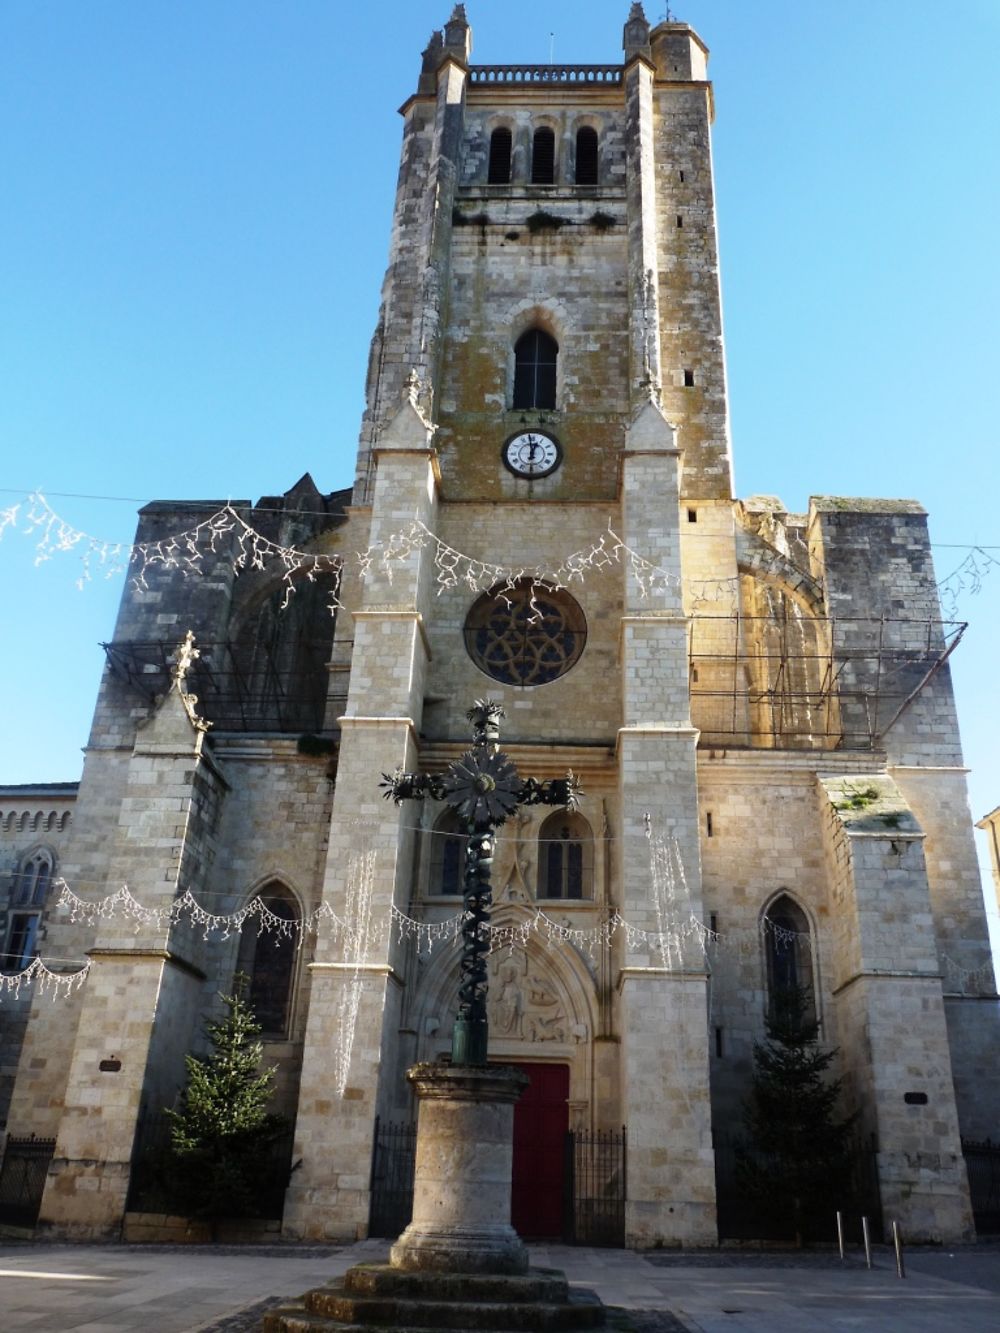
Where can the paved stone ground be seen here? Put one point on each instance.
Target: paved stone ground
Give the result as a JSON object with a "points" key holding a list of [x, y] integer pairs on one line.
{"points": [[166, 1289]]}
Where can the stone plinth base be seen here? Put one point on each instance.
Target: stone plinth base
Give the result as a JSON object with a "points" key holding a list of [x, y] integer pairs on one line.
{"points": [[461, 1186], [380, 1296]]}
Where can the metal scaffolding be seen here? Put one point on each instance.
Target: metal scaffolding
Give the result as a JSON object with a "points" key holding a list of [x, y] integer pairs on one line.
{"points": [[793, 681]]}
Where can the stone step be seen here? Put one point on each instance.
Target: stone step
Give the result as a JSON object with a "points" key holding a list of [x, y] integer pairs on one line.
{"points": [[579, 1312], [538, 1284]]}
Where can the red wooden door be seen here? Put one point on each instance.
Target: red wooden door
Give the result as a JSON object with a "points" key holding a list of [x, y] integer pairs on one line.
{"points": [[541, 1120]]}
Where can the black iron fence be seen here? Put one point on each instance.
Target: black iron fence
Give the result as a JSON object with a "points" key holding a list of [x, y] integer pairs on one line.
{"points": [[22, 1179], [982, 1162], [393, 1159], [595, 1187], [594, 1183], [746, 1215]]}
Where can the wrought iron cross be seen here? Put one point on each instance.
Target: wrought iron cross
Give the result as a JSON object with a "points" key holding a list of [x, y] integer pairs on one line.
{"points": [[483, 788]]}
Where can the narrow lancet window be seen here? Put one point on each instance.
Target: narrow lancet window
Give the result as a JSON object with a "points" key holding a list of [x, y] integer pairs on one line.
{"points": [[586, 156], [543, 157], [535, 356], [498, 172]]}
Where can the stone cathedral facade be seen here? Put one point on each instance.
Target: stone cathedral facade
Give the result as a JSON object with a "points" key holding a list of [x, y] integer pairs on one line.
{"points": [[757, 705]]}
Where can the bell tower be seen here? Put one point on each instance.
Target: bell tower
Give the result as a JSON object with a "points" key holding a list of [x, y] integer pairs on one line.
{"points": [[554, 266]]}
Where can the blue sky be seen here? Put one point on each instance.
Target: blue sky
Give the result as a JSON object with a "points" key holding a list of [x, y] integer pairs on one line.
{"points": [[197, 202]]}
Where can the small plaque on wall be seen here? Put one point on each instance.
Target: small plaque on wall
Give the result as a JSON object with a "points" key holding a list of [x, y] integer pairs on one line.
{"points": [[111, 1066]]}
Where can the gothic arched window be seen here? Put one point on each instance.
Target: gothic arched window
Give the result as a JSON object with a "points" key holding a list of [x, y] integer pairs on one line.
{"points": [[267, 956], [586, 156], [565, 857], [31, 885], [447, 855], [789, 960], [535, 357], [498, 171], [543, 157]]}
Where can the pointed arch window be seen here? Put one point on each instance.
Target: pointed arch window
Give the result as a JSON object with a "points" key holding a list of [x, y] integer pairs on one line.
{"points": [[543, 157], [536, 356], [447, 855], [31, 886], [789, 958], [498, 171], [586, 156], [268, 958], [565, 857]]}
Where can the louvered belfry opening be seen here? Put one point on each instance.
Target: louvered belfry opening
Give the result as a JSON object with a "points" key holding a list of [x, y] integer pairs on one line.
{"points": [[586, 156], [543, 157], [500, 151]]}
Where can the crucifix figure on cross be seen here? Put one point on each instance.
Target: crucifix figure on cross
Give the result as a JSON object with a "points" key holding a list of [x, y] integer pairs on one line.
{"points": [[483, 787]]}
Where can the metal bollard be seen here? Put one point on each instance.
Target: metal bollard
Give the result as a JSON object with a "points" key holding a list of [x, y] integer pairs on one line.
{"points": [[897, 1241], [868, 1241], [840, 1234]]}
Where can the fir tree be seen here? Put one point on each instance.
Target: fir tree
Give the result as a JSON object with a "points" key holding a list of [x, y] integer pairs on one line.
{"points": [[221, 1130], [798, 1156]]}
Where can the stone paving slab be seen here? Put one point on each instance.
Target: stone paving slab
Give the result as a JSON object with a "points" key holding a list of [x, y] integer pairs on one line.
{"points": [[167, 1289]]}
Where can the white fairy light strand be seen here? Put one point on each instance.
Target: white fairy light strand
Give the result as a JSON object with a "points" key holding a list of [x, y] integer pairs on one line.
{"points": [[360, 883], [967, 577], [455, 569], [39, 975], [186, 551]]}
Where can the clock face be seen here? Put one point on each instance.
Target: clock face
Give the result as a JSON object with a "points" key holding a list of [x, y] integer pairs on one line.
{"points": [[532, 454]]}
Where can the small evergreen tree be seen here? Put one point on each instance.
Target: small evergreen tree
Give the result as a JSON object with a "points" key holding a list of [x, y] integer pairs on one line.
{"points": [[797, 1159], [222, 1126]]}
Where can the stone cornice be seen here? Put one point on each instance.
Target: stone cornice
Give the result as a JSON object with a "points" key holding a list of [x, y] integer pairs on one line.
{"points": [[368, 969], [658, 974], [108, 955], [540, 761], [888, 974]]}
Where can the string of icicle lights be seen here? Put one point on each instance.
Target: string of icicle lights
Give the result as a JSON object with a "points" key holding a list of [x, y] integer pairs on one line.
{"points": [[225, 534], [359, 931]]}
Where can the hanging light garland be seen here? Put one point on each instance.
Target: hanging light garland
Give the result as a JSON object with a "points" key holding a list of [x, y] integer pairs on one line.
{"points": [[226, 533], [967, 577], [38, 974]]}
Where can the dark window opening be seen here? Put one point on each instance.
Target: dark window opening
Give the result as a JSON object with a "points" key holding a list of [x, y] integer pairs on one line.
{"points": [[535, 356], [543, 157], [447, 856], [789, 960], [692, 516], [566, 858], [689, 379], [681, 174], [718, 1041], [267, 957], [680, 220], [21, 941], [708, 823], [586, 156], [500, 151]]}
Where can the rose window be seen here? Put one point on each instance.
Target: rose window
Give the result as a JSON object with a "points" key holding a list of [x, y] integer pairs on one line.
{"points": [[527, 634]]}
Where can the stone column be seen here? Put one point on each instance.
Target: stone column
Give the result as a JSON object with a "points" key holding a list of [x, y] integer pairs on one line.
{"points": [[350, 1059], [462, 1183], [671, 1173]]}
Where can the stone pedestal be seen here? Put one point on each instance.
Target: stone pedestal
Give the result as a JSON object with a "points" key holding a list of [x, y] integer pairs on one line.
{"points": [[461, 1191]]}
